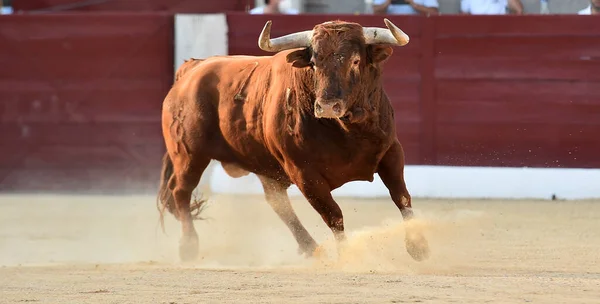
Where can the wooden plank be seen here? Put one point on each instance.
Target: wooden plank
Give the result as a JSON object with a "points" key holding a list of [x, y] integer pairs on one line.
{"points": [[537, 47], [531, 145], [37, 26], [68, 156], [97, 180], [401, 92], [128, 60], [94, 101], [62, 108], [409, 131], [398, 68], [181, 6], [487, 101], [513, 112], [522, 133], [409, 135], [81, 46], [412, 152], [566, 26], [527, 91], [517, 69], [64, 70], [81, 134]]}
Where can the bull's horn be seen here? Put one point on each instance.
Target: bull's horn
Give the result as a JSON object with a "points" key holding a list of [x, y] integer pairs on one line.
{"points": [[392, 35], [291, 41]]}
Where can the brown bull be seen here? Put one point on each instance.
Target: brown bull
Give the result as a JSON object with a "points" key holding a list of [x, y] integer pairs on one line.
{"points": [[314, 114]]}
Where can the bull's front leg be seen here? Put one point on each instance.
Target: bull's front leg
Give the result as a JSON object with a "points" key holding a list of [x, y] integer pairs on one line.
{"points": [[318, 193], [391, 171]]}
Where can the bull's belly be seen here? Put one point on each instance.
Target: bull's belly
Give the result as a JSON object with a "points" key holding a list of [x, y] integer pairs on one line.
{"points": [[249, 156], [238, 163], [237, 170], [334, 178], [343, 175], [356, 165]]}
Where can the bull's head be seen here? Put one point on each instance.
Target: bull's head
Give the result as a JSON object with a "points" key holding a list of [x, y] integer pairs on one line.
{"points": [[341, 54]]}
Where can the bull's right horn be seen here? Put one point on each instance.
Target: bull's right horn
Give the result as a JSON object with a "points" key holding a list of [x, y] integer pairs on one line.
{"points": [[291, 41], [392, 35]]}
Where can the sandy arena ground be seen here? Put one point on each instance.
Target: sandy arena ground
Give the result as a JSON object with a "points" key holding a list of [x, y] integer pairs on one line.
{"points": [[110, 249]]}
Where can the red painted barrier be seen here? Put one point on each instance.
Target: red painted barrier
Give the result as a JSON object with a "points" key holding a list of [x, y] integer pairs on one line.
{"points": [[80, 94], [518, 91], [81, 98], [179, 6]]}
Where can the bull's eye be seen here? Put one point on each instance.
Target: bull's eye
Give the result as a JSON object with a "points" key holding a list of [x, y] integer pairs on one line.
{"points": [[356, 62]]}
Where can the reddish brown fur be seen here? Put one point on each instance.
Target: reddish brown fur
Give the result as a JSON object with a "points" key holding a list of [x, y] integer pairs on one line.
{"points": [[186, 67], [255, 114]]}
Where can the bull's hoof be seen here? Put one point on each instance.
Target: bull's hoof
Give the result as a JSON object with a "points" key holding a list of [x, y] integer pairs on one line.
{"points": [[188, 249], [417, 246], [307, 250], [319, 252]]}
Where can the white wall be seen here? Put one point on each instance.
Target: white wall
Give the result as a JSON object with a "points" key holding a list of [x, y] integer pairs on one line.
{"points": [[295, 4], [453, 182], [201, 36]]}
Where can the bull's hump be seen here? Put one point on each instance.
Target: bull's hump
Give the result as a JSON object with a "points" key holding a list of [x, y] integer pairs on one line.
{"points": [[246, 57]]}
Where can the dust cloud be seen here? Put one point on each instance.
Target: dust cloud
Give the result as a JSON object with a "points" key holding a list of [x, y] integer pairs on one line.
{"points": [[508, 244], [239, 232]]}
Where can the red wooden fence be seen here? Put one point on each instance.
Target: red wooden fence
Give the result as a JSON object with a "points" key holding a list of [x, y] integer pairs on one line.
{"points": [[80, 94], [517, 91], [81, 98], [178, 6]]}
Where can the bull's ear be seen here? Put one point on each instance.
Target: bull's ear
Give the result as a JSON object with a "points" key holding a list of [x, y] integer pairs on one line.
{"points": [[299, 58], [379, 53]]}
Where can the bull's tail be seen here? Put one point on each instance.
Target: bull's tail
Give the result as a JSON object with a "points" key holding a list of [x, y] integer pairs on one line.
{"points": [[165, 199]]}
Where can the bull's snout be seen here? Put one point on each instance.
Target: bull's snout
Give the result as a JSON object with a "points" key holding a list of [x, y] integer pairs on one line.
{"points": [[329, 109]]}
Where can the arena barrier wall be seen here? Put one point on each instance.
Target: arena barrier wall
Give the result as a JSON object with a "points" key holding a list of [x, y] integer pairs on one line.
{"points": [[179, 6], [478, 99], [80, 101]]}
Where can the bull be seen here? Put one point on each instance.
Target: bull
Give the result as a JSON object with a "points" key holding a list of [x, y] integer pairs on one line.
{"points": [[314, 114]]}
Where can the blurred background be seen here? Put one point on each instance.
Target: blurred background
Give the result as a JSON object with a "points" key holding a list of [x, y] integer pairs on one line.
{"points": [[483, 84], [299, 6]]}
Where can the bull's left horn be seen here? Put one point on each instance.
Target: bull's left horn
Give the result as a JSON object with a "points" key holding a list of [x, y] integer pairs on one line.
{"points": [[391, 35], [291, 41]]}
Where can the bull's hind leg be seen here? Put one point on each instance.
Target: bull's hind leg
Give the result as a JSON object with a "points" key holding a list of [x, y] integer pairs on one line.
{"points": [[276, 196], [186, 175]]}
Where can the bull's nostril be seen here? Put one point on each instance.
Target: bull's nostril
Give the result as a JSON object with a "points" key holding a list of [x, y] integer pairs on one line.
{"points": [[318, 108], [337, 108]]}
